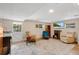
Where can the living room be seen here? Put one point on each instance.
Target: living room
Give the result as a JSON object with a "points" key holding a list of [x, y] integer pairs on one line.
{"points": [[38, 28]]}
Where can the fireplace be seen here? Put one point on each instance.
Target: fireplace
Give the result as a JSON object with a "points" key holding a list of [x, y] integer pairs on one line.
{"points": [[56, 34]]}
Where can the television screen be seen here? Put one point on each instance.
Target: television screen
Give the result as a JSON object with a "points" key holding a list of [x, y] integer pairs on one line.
{"points": [[58, 24]]}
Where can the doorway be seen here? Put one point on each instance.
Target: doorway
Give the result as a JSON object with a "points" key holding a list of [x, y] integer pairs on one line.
{"points": [[48, 29]]}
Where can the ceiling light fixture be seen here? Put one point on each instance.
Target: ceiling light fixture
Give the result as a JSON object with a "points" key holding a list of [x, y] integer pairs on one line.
{"points": [[51, 11]]}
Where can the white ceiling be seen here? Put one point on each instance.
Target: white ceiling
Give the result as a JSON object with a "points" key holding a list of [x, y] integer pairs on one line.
{"points": [[38, 11]]}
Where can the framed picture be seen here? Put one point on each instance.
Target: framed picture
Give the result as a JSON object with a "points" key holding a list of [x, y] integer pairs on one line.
{"points": [[17, 27], [37, 26], [71, 25], [40, 25], [59, 24]]}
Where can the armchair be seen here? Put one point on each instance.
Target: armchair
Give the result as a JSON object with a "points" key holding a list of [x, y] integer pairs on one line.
{"points": [[67, 37]]}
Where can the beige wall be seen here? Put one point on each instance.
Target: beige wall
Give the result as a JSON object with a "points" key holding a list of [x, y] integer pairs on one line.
{"points": [[76, 21], [7, 26], [30, 26], [26, 26], [76, 29]]}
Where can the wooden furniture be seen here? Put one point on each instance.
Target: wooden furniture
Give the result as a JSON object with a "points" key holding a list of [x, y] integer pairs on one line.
{"points": [[4, 43], [1, 37], [68, 37], [30, 37]]}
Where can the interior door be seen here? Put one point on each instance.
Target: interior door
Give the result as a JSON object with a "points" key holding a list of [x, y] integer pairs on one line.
{"points": [[48, 28]]}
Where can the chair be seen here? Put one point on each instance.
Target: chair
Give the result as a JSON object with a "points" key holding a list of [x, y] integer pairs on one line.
{"points": [[68, 37], [45, 35], [30, 37]]}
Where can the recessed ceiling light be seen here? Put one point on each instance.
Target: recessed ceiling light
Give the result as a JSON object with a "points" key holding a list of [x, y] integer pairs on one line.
{"points": [[51, 11]]}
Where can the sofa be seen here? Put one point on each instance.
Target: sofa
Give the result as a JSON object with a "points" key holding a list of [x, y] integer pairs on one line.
{"points": [[67, 37]]}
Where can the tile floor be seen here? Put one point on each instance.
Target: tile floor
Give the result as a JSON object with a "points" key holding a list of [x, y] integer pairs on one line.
{"points": [[44, 47]]}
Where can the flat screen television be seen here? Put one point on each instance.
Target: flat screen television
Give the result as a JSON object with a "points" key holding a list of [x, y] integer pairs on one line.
{"points": [[59, 24]]}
